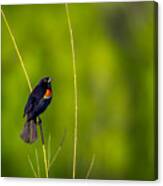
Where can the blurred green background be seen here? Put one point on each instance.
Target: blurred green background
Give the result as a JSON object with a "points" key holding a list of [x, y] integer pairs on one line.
{"points": [[115, 58]]}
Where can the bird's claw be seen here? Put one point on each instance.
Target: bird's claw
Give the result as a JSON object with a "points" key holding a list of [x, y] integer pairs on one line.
{"points": [[39, 121]]}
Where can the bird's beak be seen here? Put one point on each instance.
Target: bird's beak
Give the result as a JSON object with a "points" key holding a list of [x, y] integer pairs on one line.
{"points": [[50, 80]]}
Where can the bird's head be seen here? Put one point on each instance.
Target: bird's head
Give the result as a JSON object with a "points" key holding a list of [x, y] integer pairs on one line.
{"points": [[46, 82]]}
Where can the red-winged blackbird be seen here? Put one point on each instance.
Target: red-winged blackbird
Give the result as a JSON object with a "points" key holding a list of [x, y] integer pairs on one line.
{"points": [[37, 102]]}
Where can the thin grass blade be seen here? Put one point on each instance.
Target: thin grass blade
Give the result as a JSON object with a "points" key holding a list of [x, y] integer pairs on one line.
{"points": [[75, 91], [57, 151], [37, 163], [32, 167], [49, 149], [90, 166]]}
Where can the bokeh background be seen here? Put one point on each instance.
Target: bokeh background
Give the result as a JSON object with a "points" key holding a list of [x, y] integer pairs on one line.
{"points": [[115, 46]]}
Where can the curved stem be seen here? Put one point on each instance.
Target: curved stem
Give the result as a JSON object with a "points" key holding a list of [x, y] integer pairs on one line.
{"points": [[43, 147], [28, 81], [51, 162], [90, 166], [75, 90], [32, 167], [45, 160], [17, 51], [37, 163]]}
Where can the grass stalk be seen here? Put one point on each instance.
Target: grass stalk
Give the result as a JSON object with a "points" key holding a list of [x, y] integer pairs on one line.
{"points": [[45, 161], [37, 163], [54, 157], [27, 78], [49, 150], [17, 51], [32, 167], [43, 147], [51, 162], [75, 91], [90, 166]]}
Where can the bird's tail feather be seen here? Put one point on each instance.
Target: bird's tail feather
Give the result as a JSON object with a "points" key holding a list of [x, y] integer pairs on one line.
{"points": [[29, 133]]}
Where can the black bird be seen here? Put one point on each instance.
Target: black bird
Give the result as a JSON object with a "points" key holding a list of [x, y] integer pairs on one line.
{"points": [[37, 102]]}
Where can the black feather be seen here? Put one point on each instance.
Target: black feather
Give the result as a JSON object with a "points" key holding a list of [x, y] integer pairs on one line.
{"points": [[35, 105]]}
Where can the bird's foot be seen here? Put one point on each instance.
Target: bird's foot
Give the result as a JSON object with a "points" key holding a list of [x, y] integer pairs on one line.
{"points": [[39, 121]]}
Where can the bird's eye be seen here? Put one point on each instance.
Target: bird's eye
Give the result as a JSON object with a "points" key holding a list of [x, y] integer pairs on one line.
{"points": [[45, 81]]}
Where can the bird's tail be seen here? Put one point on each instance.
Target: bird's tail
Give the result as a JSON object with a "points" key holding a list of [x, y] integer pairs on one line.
{"points": [[29, 133]]}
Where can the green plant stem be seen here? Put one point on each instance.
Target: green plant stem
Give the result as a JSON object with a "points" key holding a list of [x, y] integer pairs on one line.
{"points": [[43, 149], [55, 157], [49, 150], [17, 51], [45, 160], [27, 78], [51, 162], [90, 166], [75, 91], [37, 162], [32, 167]]}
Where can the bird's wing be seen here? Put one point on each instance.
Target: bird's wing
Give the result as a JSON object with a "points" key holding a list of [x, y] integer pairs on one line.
{"points": [[41, 106], [38, 92], [33, 99], [30, 105]]}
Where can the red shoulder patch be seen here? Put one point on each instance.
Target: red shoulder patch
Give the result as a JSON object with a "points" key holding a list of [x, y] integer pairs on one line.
{"points": [[48, 93]]}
